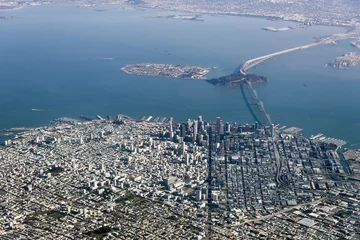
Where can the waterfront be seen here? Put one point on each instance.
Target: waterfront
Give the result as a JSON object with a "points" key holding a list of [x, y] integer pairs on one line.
{"points": [[65, 61]]}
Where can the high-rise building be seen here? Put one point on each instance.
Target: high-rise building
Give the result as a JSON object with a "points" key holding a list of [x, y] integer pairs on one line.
{"points": [[189, 124], [201, 126], [219, 126], [198, 195], [171, 125], [218, 120], [195, 127], [183, 130], [206, 137], [227, 127], [183, 147]]}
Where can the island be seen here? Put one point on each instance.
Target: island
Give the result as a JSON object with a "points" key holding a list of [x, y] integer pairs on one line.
{"points": [[346, 61], [166, 70], [236, 79]]}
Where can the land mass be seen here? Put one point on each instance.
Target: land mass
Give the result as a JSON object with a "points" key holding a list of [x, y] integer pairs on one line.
{"points": [[272, 29], [166, 70], [120, 179], [347, 61], [356, 43], [236, 79], [335, 12], [182, 17], [6, 17]]}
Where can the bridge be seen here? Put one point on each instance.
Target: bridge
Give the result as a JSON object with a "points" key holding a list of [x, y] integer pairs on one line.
{"points": [[355, 33], [280, 162], [253, 62], [259, 104]]}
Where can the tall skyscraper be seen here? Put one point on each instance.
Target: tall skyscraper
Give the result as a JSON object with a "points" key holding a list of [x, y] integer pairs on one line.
{"points": [[171, 125], [227, 127], [195, 127], [183, 130], [189, 124], [218, 124]]}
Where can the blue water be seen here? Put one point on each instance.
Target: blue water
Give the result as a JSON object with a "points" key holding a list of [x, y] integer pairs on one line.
{"points": [[51, 58]]}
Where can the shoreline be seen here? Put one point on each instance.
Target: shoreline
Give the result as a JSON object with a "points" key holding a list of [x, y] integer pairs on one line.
{"points": [[190, 72], [79, 120], [137, 8], [208, 14]]}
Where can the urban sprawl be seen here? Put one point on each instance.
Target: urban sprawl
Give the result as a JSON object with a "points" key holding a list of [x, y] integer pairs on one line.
{"points": [[158, 179]]}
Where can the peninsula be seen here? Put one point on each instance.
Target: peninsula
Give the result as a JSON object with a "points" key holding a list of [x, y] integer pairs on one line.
{"points": [[272, 29], [356, 43], [166, 70], [182, 17], [148, 179], [347, 61]]}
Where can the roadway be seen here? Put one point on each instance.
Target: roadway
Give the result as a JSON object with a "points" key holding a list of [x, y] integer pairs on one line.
{"points": [[259, 103], [325, 40], [253, 62]]}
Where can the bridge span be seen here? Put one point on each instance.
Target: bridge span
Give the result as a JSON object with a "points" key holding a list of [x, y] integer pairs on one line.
{"points": [[253, 62], [355, 33], [259, 104]]}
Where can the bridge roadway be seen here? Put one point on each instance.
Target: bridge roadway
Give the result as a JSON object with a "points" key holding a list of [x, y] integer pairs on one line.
{"points": [[259, 103], [253, 62], [355, 33]]}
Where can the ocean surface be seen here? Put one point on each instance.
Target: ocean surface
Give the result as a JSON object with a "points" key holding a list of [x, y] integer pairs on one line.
{"points": [[65, 61]]}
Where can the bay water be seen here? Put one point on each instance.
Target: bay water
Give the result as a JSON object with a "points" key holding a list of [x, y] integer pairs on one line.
{"points": [[64, 61]]}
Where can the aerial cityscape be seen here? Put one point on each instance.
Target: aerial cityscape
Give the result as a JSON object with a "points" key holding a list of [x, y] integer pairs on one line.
{"points": [[155, 178], [200, 149]]}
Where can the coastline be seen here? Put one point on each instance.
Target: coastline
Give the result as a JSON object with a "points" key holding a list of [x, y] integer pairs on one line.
{"points": [[255, 70], [79, 120], [349, 28]]}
